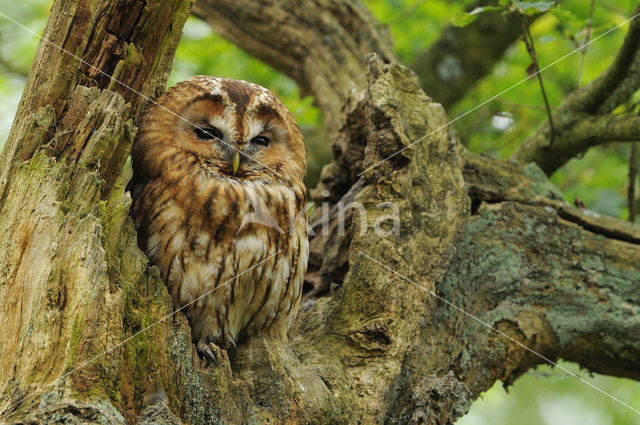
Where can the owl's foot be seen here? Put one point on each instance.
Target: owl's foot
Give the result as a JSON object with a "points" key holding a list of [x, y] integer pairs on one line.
{"points": [[213, 352], [204, 350]]}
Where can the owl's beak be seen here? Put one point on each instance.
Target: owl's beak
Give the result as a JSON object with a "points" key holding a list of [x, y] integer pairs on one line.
{"points": [[236, 162]]}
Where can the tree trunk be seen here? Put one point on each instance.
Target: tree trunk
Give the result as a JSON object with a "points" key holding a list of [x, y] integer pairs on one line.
{"points": [[73, 282], [372, 344]]}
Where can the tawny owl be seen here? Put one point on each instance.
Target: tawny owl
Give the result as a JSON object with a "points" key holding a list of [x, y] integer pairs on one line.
{"points": [[219, 204]]}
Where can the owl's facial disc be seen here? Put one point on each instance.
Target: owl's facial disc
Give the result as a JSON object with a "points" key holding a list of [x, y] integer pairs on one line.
{"points": [[243, 137], [248, 155], [219, 152], [211, 134]]}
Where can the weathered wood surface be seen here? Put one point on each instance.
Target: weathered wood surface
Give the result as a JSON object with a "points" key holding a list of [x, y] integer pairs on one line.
{"points": [[72, 283]]}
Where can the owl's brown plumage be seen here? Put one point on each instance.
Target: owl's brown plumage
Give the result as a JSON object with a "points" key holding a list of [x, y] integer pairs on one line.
{"points": [[217, 189]]}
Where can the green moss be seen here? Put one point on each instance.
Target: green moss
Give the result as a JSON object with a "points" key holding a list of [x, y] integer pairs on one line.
{"points": [[79, 323], [45, 116], [131, 56]]}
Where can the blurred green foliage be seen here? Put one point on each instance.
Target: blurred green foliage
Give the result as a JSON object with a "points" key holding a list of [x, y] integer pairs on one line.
{"points": [[550, 396], [599, 178], [17, 49]]}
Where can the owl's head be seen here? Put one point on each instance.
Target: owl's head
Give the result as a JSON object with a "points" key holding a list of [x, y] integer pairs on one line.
{"points": [[226, 128]]}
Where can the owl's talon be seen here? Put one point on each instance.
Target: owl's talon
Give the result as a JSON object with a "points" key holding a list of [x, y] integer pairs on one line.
{"points": [[205, 351], [233, 348]]}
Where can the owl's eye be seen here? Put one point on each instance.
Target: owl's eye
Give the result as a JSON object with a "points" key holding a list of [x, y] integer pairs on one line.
{"points": [[207, 133], [261, 140]]}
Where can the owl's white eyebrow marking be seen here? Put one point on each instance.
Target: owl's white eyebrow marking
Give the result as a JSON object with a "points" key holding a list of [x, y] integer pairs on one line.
{"points": [[255, 126], [267, 128], [221, 123]]}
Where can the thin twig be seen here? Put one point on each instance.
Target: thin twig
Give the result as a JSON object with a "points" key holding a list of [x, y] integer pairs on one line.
{"points": [[528, 41], [587, 37], [633, 174]]}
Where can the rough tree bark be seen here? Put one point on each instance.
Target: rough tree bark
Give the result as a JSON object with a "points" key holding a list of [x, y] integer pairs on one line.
{"points": [[369, 346], [72, 284]]}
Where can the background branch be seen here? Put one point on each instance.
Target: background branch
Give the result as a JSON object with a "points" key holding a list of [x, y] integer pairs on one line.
{"points": [[589, 107], [596, 130], [535, 68], [462, 56], [587, 38], [309, 39]]}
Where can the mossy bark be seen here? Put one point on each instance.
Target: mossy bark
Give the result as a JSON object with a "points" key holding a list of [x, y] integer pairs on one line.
{"points": [[78, 300], [73, 282]]}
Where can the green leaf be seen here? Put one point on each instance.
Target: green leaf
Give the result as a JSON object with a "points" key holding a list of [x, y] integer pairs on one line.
{"points": [[570, 22], [462, 19], [483, 9], [534, 7], [565, 16]]}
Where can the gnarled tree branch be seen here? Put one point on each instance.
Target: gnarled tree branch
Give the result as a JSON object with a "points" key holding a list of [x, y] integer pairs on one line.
{"points": [[560, 278]]}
